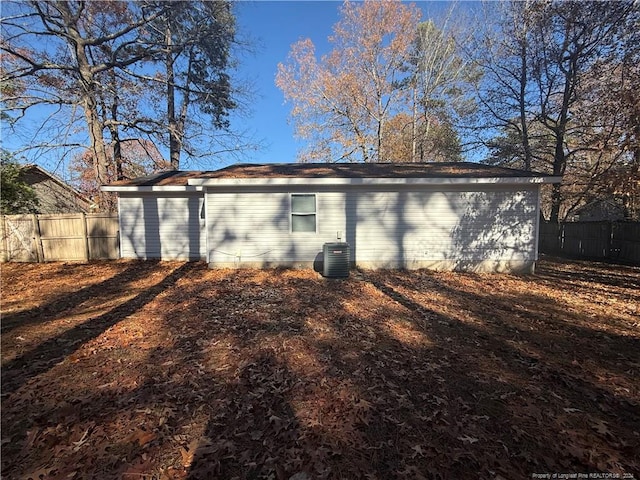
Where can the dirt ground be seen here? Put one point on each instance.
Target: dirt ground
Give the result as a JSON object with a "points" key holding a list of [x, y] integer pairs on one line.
{"points": [[166, 370]]}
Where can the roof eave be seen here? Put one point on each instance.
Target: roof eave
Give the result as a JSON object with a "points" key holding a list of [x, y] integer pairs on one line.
{"points": [[199, 184], [150, 188], [264, 182]]}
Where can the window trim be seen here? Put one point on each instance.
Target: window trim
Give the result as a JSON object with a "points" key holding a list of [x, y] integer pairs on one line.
{"points": [[302, 214]]}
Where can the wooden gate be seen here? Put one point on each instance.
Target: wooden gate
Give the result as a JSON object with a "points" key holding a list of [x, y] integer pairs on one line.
{"points": [[19, 238]]}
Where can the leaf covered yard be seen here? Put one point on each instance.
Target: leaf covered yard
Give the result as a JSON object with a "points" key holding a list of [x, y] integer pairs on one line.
{"points": [[166, 370]]}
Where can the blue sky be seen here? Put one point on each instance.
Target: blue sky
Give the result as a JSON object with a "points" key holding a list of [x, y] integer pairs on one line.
{"points": [[275, 26]]}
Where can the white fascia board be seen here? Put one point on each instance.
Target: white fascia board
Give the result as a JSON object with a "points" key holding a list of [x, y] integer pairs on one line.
{"points": [[266, 182], [149, 189]]}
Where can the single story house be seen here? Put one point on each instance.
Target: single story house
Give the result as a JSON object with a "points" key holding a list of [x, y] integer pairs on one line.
{"points": [[54, 194], [452, 216], [603, 210]]}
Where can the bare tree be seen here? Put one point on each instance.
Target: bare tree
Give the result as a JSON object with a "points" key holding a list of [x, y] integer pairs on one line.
{"points": [[55, 50], [534, 88], [195, 40], [503, 52], [440, 82], [570, 38], [119, 63]]}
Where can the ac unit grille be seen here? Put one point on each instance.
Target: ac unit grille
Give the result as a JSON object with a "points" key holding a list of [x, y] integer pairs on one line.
{"points": [[336, 260]]}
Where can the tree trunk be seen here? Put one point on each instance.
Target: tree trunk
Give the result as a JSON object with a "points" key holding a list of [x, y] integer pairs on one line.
{"points": [[556, 200], [425, 136], [560, 132], [89, 101], [174, 138], [115, 132], [379, 133], [117, 152], [100, 158], [379, 145], [524, 129]]}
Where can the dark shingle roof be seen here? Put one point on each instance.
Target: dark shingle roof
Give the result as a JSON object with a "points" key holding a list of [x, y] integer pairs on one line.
{"points": [[334, 170]]}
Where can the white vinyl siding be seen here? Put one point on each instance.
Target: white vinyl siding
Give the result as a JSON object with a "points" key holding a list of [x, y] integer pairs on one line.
{"points": [[255, 227], [399, 227], [404, 228], [168, 226]]}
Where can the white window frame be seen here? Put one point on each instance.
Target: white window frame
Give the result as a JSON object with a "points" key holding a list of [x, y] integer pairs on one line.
{"points": [[292, 213]]}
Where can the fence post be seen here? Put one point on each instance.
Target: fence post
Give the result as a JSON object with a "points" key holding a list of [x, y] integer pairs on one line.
{"points": [[85, 232], [37, 238], [5, 244], [560, 238]]}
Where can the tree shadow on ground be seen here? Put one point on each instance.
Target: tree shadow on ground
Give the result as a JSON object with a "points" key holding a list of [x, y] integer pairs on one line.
{"points": [[18, 371], [403, 408], [64, 303], [540, 380], [257, 397], [269, 374], [574, 271]]}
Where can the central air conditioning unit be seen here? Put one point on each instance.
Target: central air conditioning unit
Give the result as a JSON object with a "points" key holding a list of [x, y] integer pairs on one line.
{"points": [[336, 260]]}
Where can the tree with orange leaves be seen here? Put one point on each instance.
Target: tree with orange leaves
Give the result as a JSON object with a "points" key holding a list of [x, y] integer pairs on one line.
{"points": [[342, 102], [137, 157]]}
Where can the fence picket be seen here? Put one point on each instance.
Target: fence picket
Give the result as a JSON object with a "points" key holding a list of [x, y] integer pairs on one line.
{"points": [[60, 237], [619, 241]]}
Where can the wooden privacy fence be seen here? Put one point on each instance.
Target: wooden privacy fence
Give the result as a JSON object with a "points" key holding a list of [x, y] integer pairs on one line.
{"points": [[619, 241], [46, 238]]}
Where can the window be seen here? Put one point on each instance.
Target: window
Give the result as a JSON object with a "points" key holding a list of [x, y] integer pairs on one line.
{"points": [[303, 212]]}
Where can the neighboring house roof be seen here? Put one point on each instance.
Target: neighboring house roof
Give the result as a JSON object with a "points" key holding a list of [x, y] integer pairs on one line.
{"points": [[598, 210], [54, 194], [313, 173]]}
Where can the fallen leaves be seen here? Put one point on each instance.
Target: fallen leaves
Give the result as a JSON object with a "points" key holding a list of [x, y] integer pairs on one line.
{"points": [[417, 450], [82, 441], [188, 453], [468, 439], [141, 437], [278, 374]]}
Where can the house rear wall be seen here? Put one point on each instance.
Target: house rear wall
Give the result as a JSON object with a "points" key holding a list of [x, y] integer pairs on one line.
{"points": [[484, 228]]}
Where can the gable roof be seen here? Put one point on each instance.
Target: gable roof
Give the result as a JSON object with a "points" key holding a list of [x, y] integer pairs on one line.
{"points": [[54, 194], [316, 173]]}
